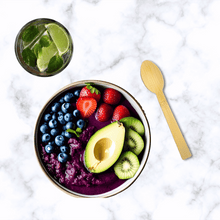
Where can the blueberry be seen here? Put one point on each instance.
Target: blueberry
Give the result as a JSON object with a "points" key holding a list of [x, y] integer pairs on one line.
{"points": [[61, 120], [59, 140], [62, 157], [68, 134], [53, 123], [64, 128], [49, 148], [59, 113], [64, 149], [68, 97], [47, 117], [54, 131], [61, 100], [54, 115], [63, 133], [55, 107], [77, 92], [76, 113], [68, 117], [70, 125], [80, 123], [65, 107], [45, 137], [44, 128]]}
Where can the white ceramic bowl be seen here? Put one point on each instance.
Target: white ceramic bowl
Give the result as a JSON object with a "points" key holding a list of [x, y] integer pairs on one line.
{"points": [[135, 105]]}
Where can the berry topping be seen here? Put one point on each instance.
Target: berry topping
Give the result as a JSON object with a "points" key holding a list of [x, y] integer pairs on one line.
{"points": [[47, 117], [64, 149], [45, 137], [80, 123], [86, 106], [59, 140], [77, 92], [49, 148], [111, 96], [68, 97], [44, 128], [104, 112], [53, 123], [66, 107], [120, 112], [90, 92], [76, 113], [55, 107], [62, 157]]}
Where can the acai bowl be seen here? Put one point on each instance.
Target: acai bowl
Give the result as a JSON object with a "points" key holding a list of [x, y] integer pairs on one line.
{"points": [[92, 139]]}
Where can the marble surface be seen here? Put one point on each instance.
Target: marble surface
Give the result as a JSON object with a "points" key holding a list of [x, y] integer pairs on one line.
{"points": [[111, 39]]}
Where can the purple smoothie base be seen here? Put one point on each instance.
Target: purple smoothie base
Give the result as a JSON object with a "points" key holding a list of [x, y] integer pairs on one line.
{"points": [[73, 174]]}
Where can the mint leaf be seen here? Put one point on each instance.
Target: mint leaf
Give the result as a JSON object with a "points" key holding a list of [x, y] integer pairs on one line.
{"points": [[45, 41], [29, 57], [30, 33], [72, 131], [79, 130], [55, 63], [37, 49]]}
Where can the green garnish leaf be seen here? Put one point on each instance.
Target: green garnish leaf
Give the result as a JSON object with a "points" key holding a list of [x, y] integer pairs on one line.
{"points": [[72, 131], [45, 41], [29, 57], [55, 63], [30, 33], [79, 130], [37, 49]]}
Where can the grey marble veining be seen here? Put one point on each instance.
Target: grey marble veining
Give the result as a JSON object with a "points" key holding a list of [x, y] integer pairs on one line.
{"points": [[111, 40]]}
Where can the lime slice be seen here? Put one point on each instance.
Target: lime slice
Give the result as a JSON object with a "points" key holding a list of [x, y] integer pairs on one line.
{"points": [[44, 57], [59, 37]]}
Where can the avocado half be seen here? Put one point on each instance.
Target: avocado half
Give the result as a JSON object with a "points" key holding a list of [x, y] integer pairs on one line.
{"points": [[104, 147]]}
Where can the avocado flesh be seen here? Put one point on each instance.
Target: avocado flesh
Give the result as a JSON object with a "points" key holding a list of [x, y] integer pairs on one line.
{"points": [[104, 147]]}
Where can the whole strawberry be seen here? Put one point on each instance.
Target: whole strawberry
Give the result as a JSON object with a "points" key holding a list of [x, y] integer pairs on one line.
{"points": [[90, 92], [86, 106], [111, 96], [104, 112], [120, 112]]}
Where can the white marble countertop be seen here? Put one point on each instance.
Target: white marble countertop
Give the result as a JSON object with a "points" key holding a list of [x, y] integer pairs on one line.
{"points": [[111, 39]]}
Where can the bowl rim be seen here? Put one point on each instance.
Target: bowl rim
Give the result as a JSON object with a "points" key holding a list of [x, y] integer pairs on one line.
{"points": [[55, 182], [27, 67]]}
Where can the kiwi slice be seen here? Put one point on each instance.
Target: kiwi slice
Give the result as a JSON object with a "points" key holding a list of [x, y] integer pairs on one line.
{"points": [[133, 142], [127, 165], [134, 124]]}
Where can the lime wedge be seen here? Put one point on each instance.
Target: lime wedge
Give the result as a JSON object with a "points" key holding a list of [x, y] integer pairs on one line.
{"points": [[59, 37], [44, 57]]}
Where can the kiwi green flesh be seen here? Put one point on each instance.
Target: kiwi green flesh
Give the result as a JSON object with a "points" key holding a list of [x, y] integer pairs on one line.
{"points": [[133, 141], [127, 165], [133, 123]]}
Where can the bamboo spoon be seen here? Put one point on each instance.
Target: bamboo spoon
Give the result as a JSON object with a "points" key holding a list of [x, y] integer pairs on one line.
{"points": [[153, 80]]}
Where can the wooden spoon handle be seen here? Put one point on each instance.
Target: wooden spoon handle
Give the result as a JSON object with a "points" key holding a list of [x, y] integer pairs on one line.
{"points": [[174, 128]]}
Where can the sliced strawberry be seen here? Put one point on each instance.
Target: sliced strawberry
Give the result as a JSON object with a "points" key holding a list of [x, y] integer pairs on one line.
{"points": [[104, 112], [86, 106], [91, 92], [111, 96], [120, 112]]}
